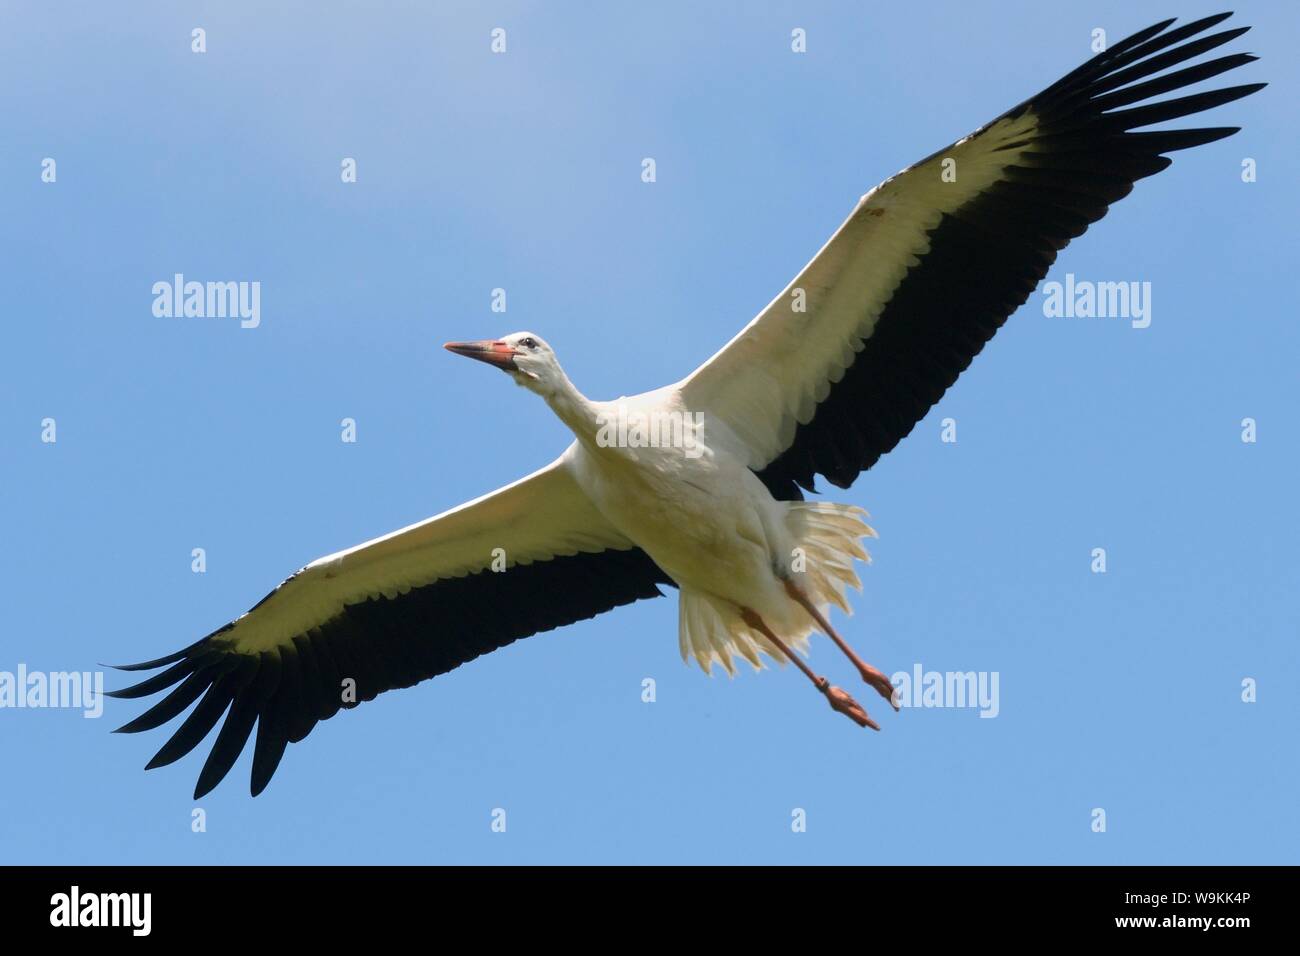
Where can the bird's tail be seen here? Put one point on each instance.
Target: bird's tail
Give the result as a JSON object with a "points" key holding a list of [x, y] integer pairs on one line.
{"points": [[827, 540]]}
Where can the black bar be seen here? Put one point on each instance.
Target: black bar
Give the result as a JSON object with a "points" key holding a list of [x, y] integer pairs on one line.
{"points": [[212, 905]]}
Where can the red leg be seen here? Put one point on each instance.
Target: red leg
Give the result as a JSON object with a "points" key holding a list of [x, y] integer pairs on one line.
{"points": [[838, 699], [871, 675]]}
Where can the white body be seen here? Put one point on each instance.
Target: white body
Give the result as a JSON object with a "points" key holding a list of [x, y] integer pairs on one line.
{"points": [[704, 517]]}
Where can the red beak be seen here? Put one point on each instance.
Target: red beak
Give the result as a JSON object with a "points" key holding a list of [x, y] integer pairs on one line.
{"points": [[486, 350]]}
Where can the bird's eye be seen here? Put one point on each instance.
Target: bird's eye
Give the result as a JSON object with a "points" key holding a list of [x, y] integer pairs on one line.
{"points": [[529, 343]]}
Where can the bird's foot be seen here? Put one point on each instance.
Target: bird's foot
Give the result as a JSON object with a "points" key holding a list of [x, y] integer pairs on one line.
{"points": [[846, 705], [877, 680], [870, 675]]}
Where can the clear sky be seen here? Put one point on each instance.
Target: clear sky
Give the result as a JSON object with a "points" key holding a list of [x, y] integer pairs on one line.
{"points": [[1119, 691]]}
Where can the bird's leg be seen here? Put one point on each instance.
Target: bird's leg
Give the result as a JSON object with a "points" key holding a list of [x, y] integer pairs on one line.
{"points": [[871, 675], [837, 698]]}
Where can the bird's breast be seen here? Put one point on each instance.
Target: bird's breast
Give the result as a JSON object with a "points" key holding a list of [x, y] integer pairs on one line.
{"points": [[698, 518]]}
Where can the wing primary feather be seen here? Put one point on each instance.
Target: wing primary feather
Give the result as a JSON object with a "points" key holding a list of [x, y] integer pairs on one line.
{"points": [[267, 752], [238, 726], [271, 739], [174, 674], [170, 658], [179, 698], [204, 716], [1173, 81]]}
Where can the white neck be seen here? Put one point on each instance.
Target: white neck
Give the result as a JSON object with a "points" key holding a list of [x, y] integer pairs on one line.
{"points": [[574, 409]]}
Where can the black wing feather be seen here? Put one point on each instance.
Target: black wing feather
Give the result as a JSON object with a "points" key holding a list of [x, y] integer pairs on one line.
{"points": [[380, 643], [987, 257]]}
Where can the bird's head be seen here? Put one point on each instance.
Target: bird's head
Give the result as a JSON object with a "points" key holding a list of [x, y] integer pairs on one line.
{"points": [[526, 356]]}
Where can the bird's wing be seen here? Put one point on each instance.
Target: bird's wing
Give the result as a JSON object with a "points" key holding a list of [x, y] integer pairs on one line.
{"points": [[391, 612], [850, 356]]}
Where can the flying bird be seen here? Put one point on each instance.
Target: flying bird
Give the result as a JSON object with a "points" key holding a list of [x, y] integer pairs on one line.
{"points": [[699, 485]]}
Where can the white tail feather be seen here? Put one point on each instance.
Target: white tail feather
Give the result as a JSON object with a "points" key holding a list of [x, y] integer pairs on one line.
{"points": [[827, 536], [711, 632]]}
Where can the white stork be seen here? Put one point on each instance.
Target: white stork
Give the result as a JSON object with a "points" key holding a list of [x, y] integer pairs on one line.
{"points": [[896, 304]]}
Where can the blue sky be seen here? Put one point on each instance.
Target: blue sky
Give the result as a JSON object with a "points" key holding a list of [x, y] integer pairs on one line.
{"points": [[1119, 691]]}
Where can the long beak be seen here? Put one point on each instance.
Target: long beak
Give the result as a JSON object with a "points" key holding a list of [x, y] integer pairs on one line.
{"points": [[486, 350]]}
